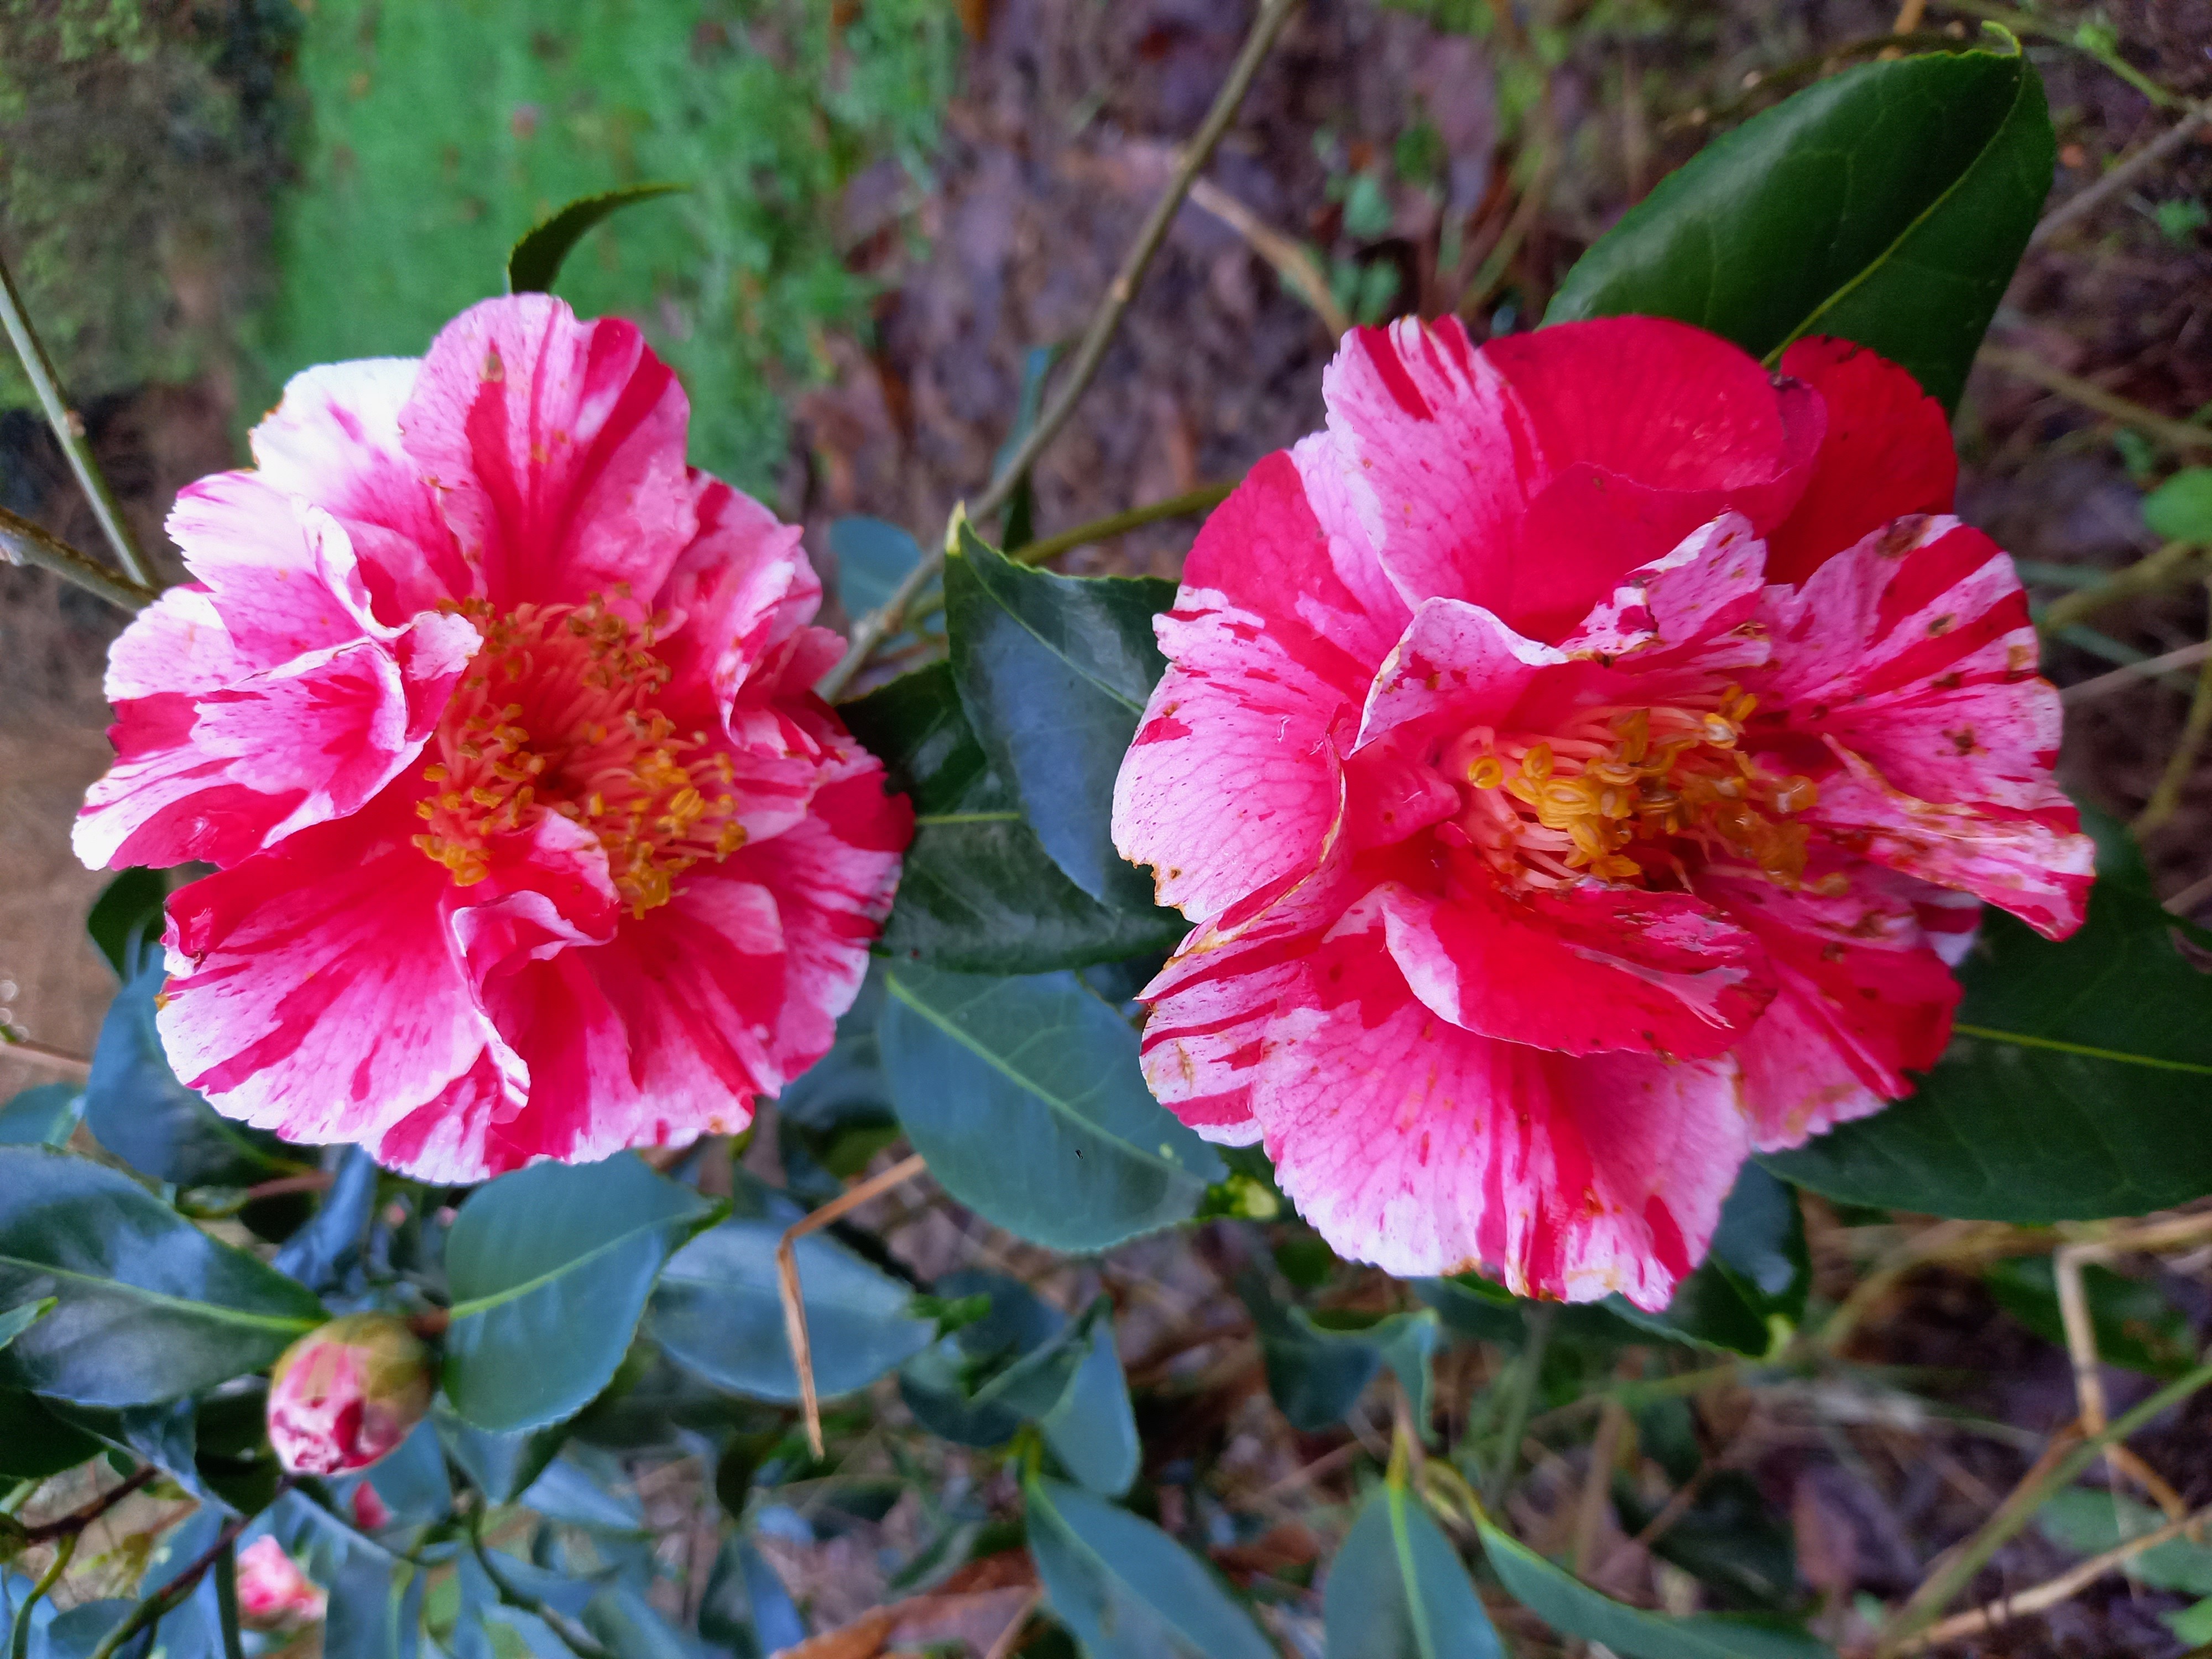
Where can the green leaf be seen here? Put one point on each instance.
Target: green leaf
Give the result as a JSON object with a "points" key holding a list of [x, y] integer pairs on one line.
{"points": [[948, 1386], [16, 1321], [41, 1116], [630, 1629], [34, 1443], [2089, 1523], [1318, 1364], [2135, 1325], [1026, 1096], [1756, 1271], [2074, 1086], [536, 258], [500, 1465], [1398, 1590], [1573, 1608], [1091, 1428], [150, 1308], [2180, 509], [1125, 1589], [1886, 204], [126, 918], [717, 1310], [138, 1110], [873, 558], [1054, 672], [550, 1269], [978, 893]]}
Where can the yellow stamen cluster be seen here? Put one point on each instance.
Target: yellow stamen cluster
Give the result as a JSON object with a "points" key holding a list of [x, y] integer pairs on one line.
{"points": [[556, 714], [1618, 794]]}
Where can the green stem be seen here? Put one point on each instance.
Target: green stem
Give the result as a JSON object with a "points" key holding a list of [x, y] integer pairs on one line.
{"points": [[19, 1639], [22, 542], [881, 624], [578, 1641], [170, 1596], [2022, 22], [2145, 576], [1120, 523], [1523, 1395], [226, 1602], [1958, 1571], [68, 431]]}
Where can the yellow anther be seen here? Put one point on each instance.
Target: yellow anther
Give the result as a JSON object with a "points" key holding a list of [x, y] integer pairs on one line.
{"points": [[1536, 764], [1486, 773]]}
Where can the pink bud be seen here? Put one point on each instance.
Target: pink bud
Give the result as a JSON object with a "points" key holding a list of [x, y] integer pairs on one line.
{"points": [[370, 1512], [273, 1593], [347, 1393]]}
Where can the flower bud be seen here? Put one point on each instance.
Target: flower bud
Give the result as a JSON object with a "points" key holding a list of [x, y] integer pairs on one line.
{"points": [[273, 1593], [347, 1393]]}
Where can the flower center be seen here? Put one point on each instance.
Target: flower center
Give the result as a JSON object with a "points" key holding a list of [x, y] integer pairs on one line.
{"points": [[1630, 795], [556, 712]]}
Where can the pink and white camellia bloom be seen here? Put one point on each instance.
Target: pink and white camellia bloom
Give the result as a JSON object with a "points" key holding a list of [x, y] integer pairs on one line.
{"points": [[273, 1593], [1582, 761], [496, 721]]}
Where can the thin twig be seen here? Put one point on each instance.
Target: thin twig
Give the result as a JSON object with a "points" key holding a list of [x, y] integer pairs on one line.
{"points": [[786, 1279], [1942, 1587], [2123, 173], [2023, 22], [2146, 575], [19, 1639], [1300, 272], [1118, 524], [882, 622], [22, 542], [2167, 797], [1008, 1637], [2022, 365], [170, 1596], [68, 1525], [1596, 1496], [1520, 1396], [68, 430], [2051, 1593], [2088, 690]]}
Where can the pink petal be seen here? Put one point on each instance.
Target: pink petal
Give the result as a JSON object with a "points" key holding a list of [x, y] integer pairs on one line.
{"points": [[1903, 679], [315, 989], [1862, 1000], [557, 448], [1665, 611], [177, 644], [281, 572], [335, 441], [1456, 665], [1432, 453], [1583, 970], [1429, 1150], [740, 589], [1232, 781], [1886, 455]]}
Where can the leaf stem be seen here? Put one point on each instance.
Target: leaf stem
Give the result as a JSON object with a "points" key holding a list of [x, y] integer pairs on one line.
{"points": [[22, 542], [170, 1596], [225, 1601], [1520, 1397], [68, 430], [1118, 524], [1942, 1587], [19, 1639], [885, 621]]}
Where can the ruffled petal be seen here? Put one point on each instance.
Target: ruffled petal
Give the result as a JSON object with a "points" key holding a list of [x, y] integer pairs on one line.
{"points": [[1862, 1000], [1903, 681], [315, 988], [740, 590], [1886, 455], [556, 447], [1432, 452], [1583, 970], [1679, 606], [177, 644], [281, 572], [1456, 664], [1426, 1150], [334, 441], [1231, 782]]}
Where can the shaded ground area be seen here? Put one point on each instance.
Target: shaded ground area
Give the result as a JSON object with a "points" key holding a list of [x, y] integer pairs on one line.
{"points": [[1430, 164]]}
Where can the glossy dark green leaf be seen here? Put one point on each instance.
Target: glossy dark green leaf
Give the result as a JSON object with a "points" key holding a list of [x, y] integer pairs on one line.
{"points": [[1727, 1538], [325, 1254], [137, 1109], [1573, 1608], [550, 1269], [717, 1310], [149, 1306], [1398, 1590], [1319, 1364], [16, 1321], [499, 1464], [1756, 1272], [941, 1384], [537, 255], [2074, 1087], [1054, 672], [1091, 1428], [2135, 1325], [41, 1116], [125, 919], [34, 1443], [1886, 204], [978, 893], [1026, 1096], [1126, 1589], [2180, 509]]}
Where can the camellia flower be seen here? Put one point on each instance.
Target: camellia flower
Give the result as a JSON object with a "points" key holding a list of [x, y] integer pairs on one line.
{"points": [[347, 1393], [1582, 761], [533, 839], [273, 1593]]}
